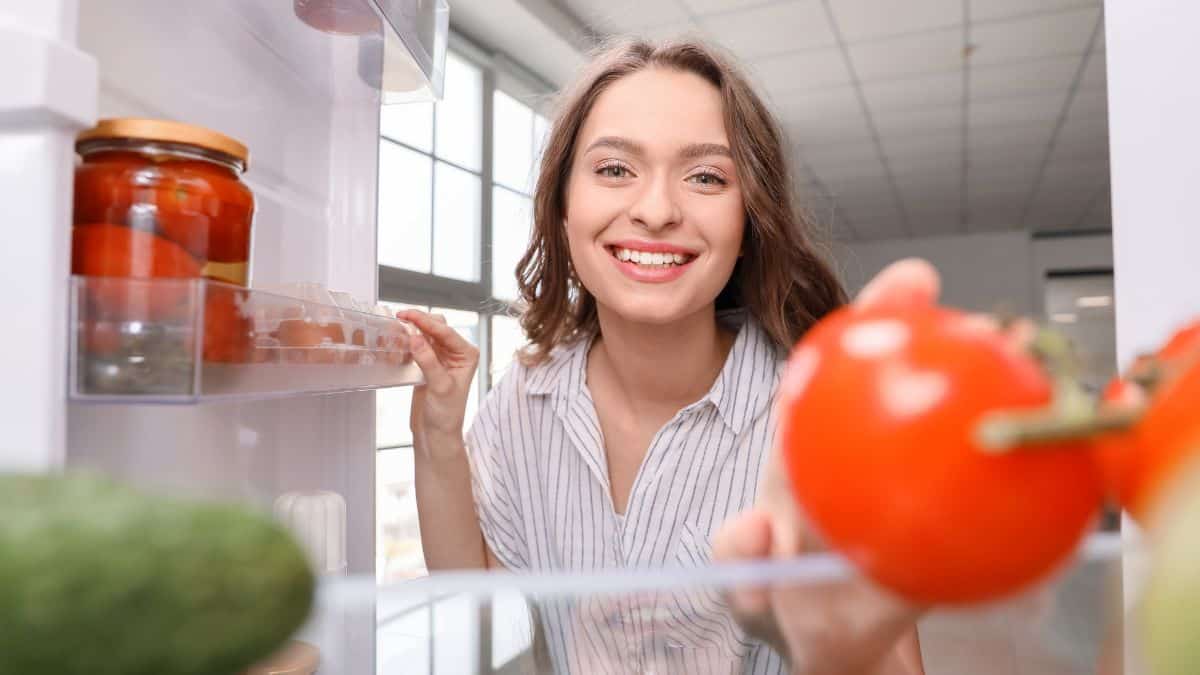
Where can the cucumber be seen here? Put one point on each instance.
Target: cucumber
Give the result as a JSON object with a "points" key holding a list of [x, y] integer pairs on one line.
{"points": [[97, 578]]}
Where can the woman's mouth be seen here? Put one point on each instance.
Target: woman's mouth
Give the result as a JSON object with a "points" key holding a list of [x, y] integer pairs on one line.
{"points": [[654, 267], [650, 261]]}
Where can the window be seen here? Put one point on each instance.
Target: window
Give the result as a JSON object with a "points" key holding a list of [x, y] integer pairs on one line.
{"points": [[455, 179]]}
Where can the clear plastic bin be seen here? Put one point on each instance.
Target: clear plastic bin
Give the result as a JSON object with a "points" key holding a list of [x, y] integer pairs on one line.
{"points": [[183, 340]]}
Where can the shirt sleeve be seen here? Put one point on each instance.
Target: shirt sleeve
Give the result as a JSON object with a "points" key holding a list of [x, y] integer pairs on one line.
{"points": [[493, 486]]}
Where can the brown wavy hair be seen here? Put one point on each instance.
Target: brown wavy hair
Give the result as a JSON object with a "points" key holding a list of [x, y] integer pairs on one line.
{"points": [[780, 280]]}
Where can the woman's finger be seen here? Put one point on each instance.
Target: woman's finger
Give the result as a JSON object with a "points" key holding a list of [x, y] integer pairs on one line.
{"points": [[907, 282], [746, 536], [437, 378], [437, 331]]}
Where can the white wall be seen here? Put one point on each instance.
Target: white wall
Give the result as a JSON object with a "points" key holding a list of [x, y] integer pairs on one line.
{"points": [[1153, 104], [983, 271]]}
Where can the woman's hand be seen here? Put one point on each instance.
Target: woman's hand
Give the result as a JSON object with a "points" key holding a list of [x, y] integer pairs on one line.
{"points": [[448, 362], [846, 627], [842, 627]]}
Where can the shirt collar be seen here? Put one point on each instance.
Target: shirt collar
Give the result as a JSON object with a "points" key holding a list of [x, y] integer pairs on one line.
{"points": [[742, 390]]}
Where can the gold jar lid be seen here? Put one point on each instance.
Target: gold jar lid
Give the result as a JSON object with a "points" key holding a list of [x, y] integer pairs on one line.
{"points": [[165, 131]]}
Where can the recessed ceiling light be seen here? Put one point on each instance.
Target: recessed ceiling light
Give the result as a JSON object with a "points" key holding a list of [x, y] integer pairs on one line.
{"points": [[1064, 317]]}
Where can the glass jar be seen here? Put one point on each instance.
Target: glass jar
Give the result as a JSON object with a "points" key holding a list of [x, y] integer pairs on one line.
{"points": [[176, 187], [156, 199]]}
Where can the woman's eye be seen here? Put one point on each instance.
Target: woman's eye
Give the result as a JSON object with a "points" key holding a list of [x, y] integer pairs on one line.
{"points": [[707, 179], [613, 171]]}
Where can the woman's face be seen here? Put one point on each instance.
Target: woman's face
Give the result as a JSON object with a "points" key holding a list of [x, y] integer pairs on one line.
{"points": [[654, 206]]}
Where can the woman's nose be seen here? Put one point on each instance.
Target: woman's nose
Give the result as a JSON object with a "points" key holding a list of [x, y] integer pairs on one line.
{"points": [[655, 207]]}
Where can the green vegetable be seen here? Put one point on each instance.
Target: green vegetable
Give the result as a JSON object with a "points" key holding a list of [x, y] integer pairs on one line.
{"points": [[1171, 609], [96, 578]]}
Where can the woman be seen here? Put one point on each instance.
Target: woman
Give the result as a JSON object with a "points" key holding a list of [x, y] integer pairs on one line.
{"points": [[667, 277]]}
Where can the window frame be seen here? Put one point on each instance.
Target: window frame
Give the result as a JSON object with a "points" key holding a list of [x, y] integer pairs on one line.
{"points": [[406, 286]]}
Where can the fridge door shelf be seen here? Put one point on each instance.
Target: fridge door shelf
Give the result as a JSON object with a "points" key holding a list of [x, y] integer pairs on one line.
{"points": [[191, 340]]}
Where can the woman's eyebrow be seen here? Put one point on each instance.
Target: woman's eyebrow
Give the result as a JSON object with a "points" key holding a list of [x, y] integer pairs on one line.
{"points": [[618, 143], [698, 150], [688, 152]]}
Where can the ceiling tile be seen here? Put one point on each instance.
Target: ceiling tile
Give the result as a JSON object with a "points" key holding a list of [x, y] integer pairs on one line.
{"points": [[1084, 130], [1089, 104], [838, 155], [935, 223], [921, 163], [994, 219], [1016, 111], [1011, 186], [1055, 74], [717, 6], [915, 92], [869, 168], [1006, 201], [772, 29], [863, 19], [927, 53], [941, 228], [671, 31], [1033, 37], [1068, 175], [628, 15], [902, 145], [880, 229], [823, 116], [1007, 139], [1094, 149], [920, 120], [1095, 74], [864, 189], [984, 10], [808, 69], [943, 188], [860, 214]]}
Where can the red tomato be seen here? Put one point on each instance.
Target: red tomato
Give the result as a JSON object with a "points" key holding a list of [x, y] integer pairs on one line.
{"points": [[879, 410], [228, 333], [205, 210], [1184, 343], [1141, 464], [102, 250]]}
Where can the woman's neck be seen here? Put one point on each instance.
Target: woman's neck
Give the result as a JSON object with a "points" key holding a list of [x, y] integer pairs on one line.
{"points": [[661, 364]]}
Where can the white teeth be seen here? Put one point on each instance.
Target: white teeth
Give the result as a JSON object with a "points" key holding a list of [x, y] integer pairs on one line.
{"points": [[647, 258]]}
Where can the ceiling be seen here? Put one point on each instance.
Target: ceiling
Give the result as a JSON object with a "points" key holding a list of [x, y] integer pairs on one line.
{"points": [[920, 118]]}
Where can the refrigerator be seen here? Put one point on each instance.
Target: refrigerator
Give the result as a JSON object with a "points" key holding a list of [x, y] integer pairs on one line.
{"points": [[300, 83], [303, 89]]}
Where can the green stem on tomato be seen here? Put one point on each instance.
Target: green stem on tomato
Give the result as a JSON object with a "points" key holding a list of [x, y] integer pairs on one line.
{"points": [[1072, 414]]}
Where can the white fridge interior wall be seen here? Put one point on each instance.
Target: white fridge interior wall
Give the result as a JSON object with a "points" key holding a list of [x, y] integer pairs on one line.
{"points": [[306, 104]]}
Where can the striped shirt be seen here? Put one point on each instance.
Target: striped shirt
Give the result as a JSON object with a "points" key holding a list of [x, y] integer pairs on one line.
{"points": [[541, 487]]}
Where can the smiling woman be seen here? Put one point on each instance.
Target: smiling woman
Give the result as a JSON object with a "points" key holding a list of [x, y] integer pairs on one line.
{"points": [[667, 276]]}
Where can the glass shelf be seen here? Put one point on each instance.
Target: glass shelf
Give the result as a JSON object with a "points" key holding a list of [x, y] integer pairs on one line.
{"points": [[190, 340], [669, 619]]}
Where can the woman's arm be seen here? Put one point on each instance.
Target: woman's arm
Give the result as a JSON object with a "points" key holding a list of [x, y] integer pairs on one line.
{"points": [[450, 532]]}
